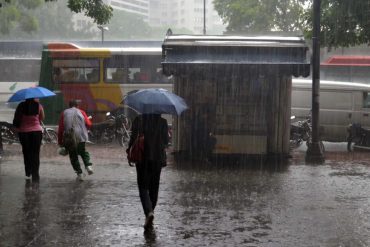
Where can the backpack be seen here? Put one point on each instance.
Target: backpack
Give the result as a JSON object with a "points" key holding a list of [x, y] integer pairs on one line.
{"points": [[69, 139]]}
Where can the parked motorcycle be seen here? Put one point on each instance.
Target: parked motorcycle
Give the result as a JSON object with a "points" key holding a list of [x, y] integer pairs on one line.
{"points": [[358, 137], [49, 135], [300, 131], [116, 127], [8, 134]]}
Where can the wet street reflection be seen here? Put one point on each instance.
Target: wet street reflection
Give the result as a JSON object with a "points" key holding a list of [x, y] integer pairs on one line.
{"points": [[199, 205]]}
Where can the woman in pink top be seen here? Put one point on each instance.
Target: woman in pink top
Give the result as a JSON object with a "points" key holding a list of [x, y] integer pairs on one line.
{"points": [[27, 120]]}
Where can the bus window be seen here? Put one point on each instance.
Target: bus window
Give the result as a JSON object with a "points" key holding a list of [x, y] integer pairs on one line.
{"points": [[114, 70], [139, 75], [76, 70], [160, 77]]}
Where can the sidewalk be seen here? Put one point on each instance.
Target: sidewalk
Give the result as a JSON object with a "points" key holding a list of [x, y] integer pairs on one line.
{"points": [[298, 205]]}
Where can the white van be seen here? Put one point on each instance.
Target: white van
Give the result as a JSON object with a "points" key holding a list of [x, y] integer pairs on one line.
{"points": [[341, 103]]}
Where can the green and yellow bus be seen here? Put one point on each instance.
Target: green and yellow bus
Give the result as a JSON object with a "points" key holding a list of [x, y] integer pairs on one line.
{"points": [[98, 77]]}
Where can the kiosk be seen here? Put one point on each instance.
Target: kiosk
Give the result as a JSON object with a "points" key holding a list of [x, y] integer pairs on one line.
{"points": [[238, 90]]}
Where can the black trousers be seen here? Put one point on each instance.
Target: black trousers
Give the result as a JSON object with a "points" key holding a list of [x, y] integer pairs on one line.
{"points": [[148, 176], [31, 143]]}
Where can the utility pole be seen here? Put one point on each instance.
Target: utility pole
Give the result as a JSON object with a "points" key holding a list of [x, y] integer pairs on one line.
{"points": [[315, 152], [204, 17]]}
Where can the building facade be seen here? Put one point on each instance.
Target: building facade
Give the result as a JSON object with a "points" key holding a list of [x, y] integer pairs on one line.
{"points": [[187, 14], [139, 7], [181, 14]]}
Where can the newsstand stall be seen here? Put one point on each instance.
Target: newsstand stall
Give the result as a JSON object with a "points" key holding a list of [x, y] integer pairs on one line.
{"points": [[238, 90]]}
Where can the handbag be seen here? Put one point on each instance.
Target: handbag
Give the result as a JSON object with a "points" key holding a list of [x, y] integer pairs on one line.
{"points": [[70, 140], [136, 151]]}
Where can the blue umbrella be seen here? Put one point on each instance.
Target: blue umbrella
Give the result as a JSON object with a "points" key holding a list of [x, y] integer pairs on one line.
{"points": [[29, 93], [156, 101]]}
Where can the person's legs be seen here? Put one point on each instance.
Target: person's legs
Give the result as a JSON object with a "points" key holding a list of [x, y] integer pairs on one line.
{"points": [[81, 150], [73, 157], [154, 178], [85, 157], [35, 138], [24, 140], [142, 182]]}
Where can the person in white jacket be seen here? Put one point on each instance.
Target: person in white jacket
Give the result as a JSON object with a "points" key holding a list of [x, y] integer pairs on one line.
{"points": [[76, 119]]}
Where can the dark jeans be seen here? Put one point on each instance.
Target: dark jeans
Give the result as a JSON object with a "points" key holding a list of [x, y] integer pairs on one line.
{"points": [[148, 176], [31, 143], [73, 157]]}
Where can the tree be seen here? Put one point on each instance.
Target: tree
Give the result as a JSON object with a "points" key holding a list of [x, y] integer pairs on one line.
{"points": [[55, 21], [256, 16], [13, 13], [100, 12], [343, 23]]}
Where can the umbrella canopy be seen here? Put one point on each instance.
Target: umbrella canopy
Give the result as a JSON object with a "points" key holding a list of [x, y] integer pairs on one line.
{"points": [[156, 101], [29, 93]]}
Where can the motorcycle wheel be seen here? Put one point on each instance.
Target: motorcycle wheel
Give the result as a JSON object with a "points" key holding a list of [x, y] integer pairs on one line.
{"points": [[123, 140], [350, 145], [106, 137], [8, 135], [308, 143], [50, 136], [127, 122], [293, 144]]}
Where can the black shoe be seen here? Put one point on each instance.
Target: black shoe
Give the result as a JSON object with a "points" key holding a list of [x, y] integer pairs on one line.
{"points": [[149, 221]]}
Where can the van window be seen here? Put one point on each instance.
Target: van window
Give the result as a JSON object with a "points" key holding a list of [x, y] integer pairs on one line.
{"points": [[336, 100], [301, 98], [366, 100]]}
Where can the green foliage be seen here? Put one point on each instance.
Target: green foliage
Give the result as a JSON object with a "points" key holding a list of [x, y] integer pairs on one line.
{"points": [[9, 16], [343, 22], [260, 16], [28, 22], [13, 13], [12, 10], [95, 9], [54, 21]]}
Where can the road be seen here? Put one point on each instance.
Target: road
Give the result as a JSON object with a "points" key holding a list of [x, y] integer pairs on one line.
{"points": [[294, 204]]}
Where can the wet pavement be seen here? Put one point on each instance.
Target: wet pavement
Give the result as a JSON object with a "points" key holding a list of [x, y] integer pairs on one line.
{"points": [[199, 205]]}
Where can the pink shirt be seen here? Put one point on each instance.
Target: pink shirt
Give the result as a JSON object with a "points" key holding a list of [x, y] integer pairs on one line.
{"points": [[31, 123]]}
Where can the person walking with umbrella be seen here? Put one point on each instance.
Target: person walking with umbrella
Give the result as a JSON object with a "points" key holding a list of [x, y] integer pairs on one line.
{"points": [[151, 103], [27, 121], [155, 130]]}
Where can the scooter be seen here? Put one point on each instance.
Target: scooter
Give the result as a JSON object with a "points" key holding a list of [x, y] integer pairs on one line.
{"points": [[122, 128], [115, 127], [358, 137], [300, 131], [102, 133]]}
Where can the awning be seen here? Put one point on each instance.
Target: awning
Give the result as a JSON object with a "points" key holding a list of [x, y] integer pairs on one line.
{"points": [[182, 54]]}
